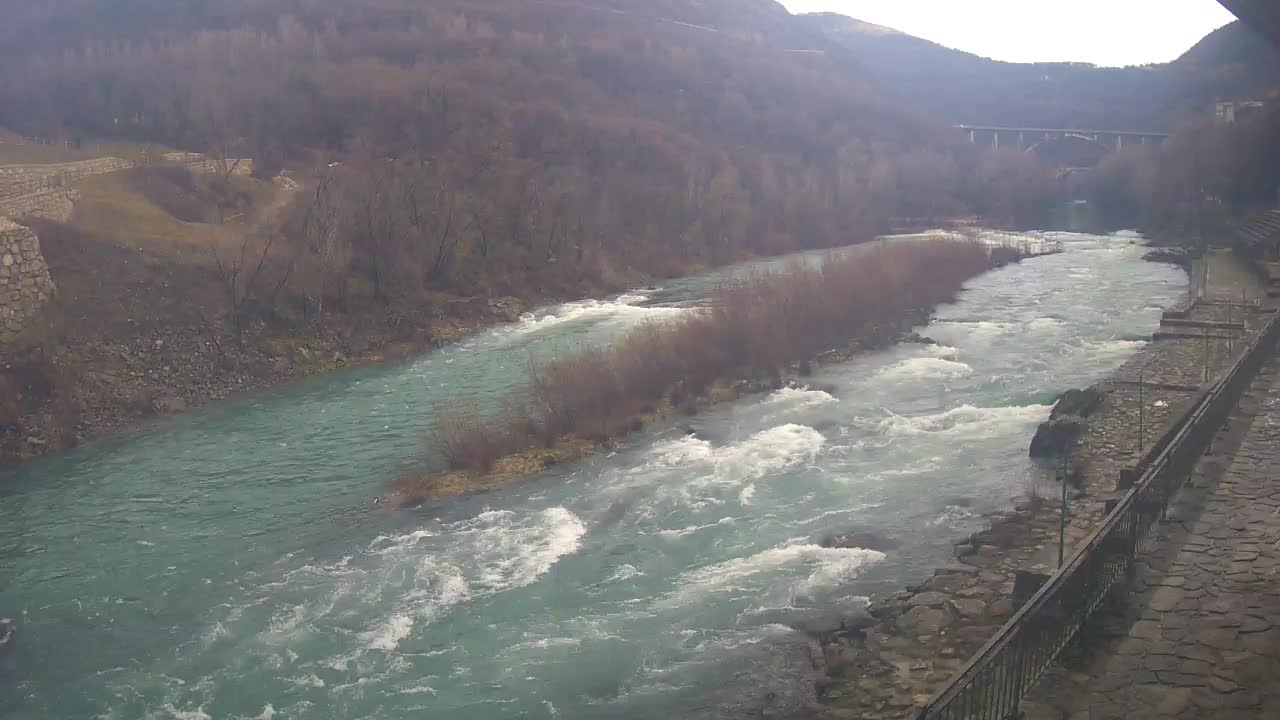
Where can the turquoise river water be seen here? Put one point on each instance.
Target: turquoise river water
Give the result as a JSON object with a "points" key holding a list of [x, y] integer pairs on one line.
{"points": [[231, 562]]}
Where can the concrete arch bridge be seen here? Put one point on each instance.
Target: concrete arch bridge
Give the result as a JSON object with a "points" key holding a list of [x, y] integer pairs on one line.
{"points": [[1070, 147]]}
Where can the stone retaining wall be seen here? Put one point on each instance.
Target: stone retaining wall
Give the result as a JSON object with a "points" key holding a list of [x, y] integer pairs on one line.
{"points": [[48, 190], [25, 284], [53, 205], [22, 180], [199, 162]]}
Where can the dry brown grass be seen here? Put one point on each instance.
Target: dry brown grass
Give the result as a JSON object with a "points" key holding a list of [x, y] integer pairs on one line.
{"points": [[115, 208], [754, 327]]}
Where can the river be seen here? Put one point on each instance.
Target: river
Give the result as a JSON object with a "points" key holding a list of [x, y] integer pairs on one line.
{"points": [[230, 563]]}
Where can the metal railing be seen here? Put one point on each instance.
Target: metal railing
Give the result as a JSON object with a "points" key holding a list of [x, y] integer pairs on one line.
{"points": [[992, 684]]}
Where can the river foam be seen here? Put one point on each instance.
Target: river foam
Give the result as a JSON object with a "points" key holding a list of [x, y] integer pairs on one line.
{"points": [[826, 568], [967, 421], [627, 308], [800, 397], [926, 368]]}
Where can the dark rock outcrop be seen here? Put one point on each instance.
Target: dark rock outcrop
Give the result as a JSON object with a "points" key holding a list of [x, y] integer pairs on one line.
{"points": [[1077, 403], [918, 339], [1058, 435]]}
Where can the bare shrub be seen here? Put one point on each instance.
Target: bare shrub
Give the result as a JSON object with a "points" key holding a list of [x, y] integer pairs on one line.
{"points": [[756, 325], [464, 439]]}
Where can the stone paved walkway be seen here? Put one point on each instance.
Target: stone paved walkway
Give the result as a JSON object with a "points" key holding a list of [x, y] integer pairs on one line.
{"points": [[1200, 636]]}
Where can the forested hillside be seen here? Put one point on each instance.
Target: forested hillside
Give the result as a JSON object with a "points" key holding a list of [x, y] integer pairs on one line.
{"points": [[487, 142]]}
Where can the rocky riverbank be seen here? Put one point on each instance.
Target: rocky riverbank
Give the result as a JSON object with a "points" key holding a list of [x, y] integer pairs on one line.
{"points": [[62, 383], [892, 658]]}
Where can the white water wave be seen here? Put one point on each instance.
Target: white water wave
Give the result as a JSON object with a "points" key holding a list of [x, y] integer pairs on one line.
{"points": [[981, 329], [756, 457], [691, 529], [967, 421], [945, 352], [1044, 323], [827, 568], [310, 681], [388, 635], [623, 573], [197, 714], [800, 397], [625, 308], [428, 573], [926, 368]]}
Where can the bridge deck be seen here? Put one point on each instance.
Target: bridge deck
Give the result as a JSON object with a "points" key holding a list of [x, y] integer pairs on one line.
{"points": [[1079, 131]]}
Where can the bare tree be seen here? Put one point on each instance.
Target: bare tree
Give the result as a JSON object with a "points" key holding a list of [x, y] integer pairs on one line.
{"points": [[240, 274], [320, 228]]}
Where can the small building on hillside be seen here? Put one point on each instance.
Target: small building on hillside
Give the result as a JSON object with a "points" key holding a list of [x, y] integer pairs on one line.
{"points": [[1233, 111]]}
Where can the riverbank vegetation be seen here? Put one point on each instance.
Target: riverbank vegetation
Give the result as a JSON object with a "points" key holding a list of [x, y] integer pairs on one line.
{"points": [[756, 329], [1192, 187]]}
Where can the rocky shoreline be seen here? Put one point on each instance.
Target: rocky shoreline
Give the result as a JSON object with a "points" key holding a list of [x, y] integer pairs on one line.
{"points": [[890, 659], [166, 369]]}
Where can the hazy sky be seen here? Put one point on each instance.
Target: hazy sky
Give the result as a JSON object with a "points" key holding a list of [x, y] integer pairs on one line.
{"points": [[1105, 32]]}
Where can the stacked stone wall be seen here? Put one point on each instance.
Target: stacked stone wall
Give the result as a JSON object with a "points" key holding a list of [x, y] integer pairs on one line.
{"points": [[25, 285], [48, 190], [19, 180]]}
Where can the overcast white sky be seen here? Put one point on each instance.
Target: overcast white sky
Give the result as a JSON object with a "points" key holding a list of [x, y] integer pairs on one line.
{"points": [[1105, 32]]}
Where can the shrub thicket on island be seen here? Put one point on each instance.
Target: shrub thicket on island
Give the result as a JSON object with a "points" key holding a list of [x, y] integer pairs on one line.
{"points": [[755, 326]]}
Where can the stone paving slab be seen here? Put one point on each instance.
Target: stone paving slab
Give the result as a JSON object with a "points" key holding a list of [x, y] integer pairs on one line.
{"points": [[1200, 635]]}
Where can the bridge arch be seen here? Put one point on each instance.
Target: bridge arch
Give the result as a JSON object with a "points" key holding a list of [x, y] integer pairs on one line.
{"points": [[1071, 150]]}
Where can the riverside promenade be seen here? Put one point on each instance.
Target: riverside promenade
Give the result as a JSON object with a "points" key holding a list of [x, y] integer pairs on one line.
{"points": [[887, 664], [1199, 636]]}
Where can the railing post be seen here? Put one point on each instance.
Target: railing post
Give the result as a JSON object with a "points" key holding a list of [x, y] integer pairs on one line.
{"points": [[1142, 407]]}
